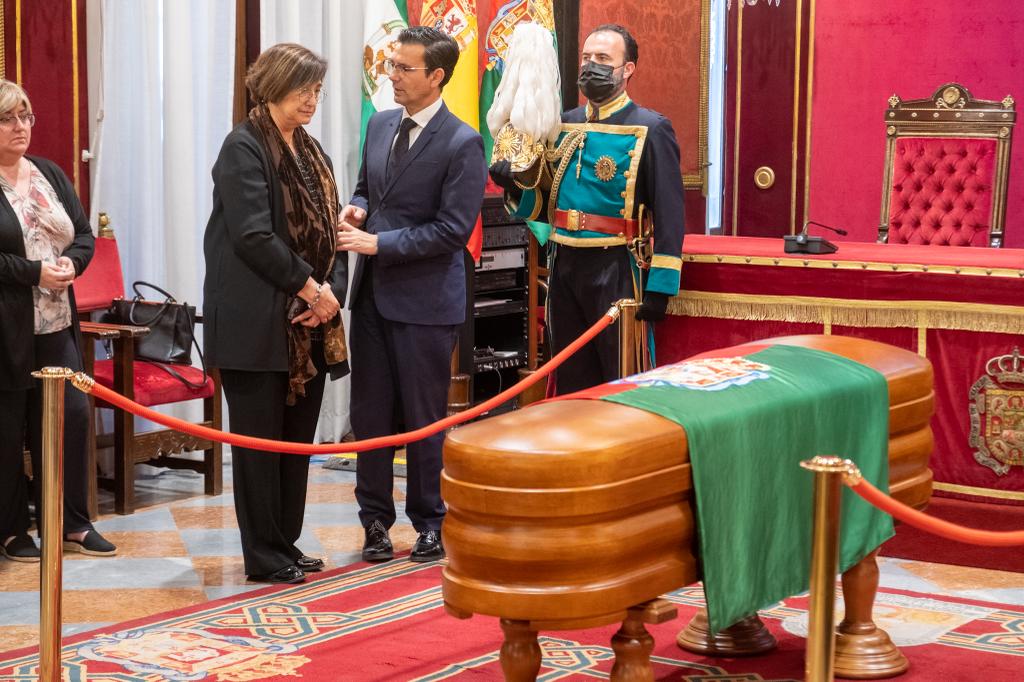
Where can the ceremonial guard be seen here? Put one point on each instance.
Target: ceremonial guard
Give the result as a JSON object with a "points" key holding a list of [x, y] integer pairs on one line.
{"points": [[608, 192]]}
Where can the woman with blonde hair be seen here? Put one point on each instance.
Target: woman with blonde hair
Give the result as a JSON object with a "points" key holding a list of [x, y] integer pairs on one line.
{"points": [[45, 243], [271, 300]]}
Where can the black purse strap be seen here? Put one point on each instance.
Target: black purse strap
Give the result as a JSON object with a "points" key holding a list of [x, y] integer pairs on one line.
{"points": [[168, 300]]}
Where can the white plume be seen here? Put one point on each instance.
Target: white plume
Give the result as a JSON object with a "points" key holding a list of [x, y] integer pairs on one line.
{"points": [[529, 93]]}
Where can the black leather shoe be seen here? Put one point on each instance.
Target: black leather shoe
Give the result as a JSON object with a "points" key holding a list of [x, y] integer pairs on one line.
{"points": [[288, 574], [378, 545], [428, 547], [309, 564]]}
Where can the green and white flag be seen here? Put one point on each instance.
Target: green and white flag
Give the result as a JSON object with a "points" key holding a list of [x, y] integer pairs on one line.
{"points": [[383, 21]]}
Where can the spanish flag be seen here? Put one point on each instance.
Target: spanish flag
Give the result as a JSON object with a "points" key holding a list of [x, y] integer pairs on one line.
{"points": [[457, 18]]}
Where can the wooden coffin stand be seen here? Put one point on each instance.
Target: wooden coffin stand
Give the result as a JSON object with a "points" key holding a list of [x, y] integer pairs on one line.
{"points": [[579, 513]]}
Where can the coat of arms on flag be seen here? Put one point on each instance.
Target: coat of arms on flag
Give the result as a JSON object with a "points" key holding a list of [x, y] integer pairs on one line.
{"points": [[457, 18], [380, 45], [706, 374], [996, 408], [509, 15]]}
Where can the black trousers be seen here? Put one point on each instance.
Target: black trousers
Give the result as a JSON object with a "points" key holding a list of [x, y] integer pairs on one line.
{"points": [[400, 378], [583, 284], [270, 488], [21, 412]]}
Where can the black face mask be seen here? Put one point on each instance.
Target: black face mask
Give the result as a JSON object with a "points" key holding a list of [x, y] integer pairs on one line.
{"points": [[597, 82]]}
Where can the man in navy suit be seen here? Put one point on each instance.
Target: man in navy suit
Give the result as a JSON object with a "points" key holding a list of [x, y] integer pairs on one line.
{"points": [[419, 193]]}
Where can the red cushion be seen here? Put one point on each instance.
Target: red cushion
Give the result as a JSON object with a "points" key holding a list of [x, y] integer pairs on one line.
{"points": [[942, 191], [154, 386], [102, 280]]}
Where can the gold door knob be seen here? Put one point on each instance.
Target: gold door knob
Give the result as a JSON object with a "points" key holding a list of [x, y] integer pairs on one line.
{"points": [[764, 177]]}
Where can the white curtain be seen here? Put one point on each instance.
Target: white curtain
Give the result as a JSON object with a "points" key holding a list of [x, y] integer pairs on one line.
{"points": [[167, 69], [716, 115], [333, 29]]}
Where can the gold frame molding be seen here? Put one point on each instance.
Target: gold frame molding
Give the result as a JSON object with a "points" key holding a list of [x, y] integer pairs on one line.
{"points": [[699, 180], [951, 112]]}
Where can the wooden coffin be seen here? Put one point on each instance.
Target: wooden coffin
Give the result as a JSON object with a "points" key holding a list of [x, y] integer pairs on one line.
{"points": [[568, 513]]}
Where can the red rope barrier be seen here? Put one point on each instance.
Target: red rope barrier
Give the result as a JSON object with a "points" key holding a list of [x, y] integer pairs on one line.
{"points": [[88, 385], [930, 524]]}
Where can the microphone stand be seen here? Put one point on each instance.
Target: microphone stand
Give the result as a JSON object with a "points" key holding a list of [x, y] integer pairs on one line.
{"points": [[804, 243]]}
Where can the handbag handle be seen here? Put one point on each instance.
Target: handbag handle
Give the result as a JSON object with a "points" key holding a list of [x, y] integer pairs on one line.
{"points": [[168, 300]]}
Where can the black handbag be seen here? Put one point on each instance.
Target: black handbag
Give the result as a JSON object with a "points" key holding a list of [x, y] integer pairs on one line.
{"points": [[171, 330]]}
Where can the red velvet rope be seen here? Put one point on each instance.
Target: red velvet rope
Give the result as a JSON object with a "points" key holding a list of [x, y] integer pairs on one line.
{"points": [[930, 524], [119, 401]]}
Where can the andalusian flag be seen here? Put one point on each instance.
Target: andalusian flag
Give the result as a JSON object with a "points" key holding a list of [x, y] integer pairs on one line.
{"points": [[751, 414], [457, 18], [499, 27], [384, 20]]}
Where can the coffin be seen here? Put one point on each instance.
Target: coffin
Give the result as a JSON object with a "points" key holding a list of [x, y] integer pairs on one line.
{"points": [[568, 513]]}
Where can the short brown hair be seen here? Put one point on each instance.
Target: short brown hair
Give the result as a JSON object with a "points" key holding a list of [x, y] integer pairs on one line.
{"points": [[281, 69], [12, 96]]}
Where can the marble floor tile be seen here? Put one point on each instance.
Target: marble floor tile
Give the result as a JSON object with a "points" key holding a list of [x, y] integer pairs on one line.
{"points": [[143, 519], [221, 591], [219, 570], [119, 573], [330, 493], [16, 576], [19, 608], [205, 517], [212, 541], [18, 636], [119, 605]]}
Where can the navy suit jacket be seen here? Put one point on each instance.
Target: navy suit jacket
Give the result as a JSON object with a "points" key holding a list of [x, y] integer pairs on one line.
{"points": [[422, 216]]}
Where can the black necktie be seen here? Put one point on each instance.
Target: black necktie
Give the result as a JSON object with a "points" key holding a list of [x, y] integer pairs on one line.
{"points": [[401, 147]]}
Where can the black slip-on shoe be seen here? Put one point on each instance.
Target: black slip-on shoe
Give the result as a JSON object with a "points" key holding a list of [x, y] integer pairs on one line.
{"points": [[289, 574], [92, 544], [309, 564], [21, 548]]}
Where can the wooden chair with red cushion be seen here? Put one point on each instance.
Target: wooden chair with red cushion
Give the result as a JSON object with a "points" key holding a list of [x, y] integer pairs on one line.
{"points": [[143, 382], [947, 162]]}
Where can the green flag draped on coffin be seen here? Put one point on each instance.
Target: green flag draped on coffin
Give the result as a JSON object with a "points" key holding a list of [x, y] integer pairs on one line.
{"points": [[751, 414]]}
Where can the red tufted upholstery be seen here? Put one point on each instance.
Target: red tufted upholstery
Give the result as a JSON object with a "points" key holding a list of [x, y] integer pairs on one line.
{"points": [[942, 191], [154, 386]]}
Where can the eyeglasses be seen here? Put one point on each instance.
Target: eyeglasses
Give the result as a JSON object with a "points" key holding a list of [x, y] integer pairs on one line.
{"points": [[310, 93], [7, 123], [391, 66]]}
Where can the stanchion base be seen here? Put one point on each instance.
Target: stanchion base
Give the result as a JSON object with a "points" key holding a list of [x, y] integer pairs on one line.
{"points": [[748, 637], [868, 656]]}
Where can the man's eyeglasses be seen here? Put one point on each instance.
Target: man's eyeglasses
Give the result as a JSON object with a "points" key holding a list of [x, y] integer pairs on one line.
{"points": [[391, 66], [310, 93], [8, 122]]}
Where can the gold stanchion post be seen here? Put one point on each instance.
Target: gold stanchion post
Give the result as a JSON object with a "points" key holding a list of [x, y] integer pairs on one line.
{"points": [[629, 327], [819, 665], [50, 575]]}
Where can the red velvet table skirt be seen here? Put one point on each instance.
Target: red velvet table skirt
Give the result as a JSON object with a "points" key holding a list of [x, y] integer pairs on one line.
{"points": [[962, 308]]}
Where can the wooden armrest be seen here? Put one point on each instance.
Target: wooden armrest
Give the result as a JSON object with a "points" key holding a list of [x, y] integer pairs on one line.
{"points": [[105, 330], [199, 317]]}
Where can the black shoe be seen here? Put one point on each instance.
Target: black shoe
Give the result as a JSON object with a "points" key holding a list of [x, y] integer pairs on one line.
{"points": [[428, 547], [288, 574], [378, 545], [309, 564], [92, 544], [21, 548]]}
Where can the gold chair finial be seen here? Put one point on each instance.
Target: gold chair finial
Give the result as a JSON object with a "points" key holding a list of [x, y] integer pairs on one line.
{"points": [[105, 229]]}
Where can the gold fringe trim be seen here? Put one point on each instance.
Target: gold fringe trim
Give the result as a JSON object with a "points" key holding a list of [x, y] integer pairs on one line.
{"points": [[981, 492], [814, 263], [1001, 319]]}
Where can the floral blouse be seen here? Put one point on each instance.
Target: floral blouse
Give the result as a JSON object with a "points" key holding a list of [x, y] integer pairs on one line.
{"points": [[47, 230]]}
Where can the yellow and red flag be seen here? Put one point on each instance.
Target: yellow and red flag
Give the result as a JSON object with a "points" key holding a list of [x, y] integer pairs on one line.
{"points": [[457, 18]]}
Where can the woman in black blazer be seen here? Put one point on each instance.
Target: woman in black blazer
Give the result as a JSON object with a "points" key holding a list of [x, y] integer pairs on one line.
{"points": [[271, 300], [45, 243]]}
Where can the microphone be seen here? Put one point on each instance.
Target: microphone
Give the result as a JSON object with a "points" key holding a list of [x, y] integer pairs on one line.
{"points": [[804, 243]]}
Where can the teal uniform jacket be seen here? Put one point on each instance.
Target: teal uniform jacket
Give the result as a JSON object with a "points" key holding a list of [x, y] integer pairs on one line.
{"points": [[626, 167]]}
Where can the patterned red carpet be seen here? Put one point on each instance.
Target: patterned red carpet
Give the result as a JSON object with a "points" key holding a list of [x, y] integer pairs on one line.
{"points": [[386, 622]]}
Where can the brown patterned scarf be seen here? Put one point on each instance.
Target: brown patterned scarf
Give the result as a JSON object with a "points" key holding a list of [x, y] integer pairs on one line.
{"points": [[311, 209]]}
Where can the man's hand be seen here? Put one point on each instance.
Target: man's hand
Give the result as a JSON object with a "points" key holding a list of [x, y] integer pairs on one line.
{"points": [[653, 307], [501, 173], [351, 238], [353, 215]]}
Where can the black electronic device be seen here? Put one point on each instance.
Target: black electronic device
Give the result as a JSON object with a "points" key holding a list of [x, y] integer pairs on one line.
{"points": [[805, 243]]}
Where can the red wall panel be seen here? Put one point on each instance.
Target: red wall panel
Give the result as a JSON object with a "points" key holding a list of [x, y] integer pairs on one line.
{"points": [[868, 50]]}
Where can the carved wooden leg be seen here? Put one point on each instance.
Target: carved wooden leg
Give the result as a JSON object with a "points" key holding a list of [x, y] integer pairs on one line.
{"points": [[864, 651], [520, 653], [748, 637], [633, 646]]}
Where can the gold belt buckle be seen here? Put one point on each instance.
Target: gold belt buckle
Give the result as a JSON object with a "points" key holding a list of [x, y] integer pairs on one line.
{"points": [[575, 220]]}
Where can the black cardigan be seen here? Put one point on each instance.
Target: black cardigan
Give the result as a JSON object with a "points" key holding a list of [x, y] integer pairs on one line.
{"points": [[251, 270], [18, 275]]}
